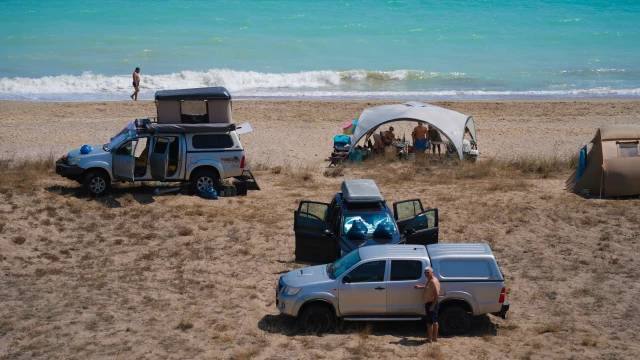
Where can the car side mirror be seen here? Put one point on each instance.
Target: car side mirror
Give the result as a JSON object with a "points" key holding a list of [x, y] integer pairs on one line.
{"points": [[410, 231], [346, 279], [328, 232]]}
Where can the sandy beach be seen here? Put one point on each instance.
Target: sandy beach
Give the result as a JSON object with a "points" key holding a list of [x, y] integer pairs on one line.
{"points": [[301, 132], [138, 276]]}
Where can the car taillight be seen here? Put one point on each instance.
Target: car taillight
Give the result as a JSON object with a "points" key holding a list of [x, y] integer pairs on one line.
{"points": [[242, 162], [503, 294]]}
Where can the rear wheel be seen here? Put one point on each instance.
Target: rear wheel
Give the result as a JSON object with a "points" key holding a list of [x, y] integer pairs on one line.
{"points": [[454, 320], [317, 318], [96, 183], [203, 178]]}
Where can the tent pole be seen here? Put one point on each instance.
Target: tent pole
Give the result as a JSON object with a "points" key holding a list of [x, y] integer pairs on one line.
{"points": [[601, 180]]}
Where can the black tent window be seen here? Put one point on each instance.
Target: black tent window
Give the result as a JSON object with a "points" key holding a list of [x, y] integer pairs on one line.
{"points": [[627, 149]]}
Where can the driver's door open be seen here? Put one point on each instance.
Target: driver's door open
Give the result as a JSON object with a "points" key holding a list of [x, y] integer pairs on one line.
{"points": [[315, 242], [124, 161]]}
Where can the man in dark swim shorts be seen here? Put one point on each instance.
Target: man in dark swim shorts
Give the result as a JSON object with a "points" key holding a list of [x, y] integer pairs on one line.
{"points": [[431, 306], [136, 83]]}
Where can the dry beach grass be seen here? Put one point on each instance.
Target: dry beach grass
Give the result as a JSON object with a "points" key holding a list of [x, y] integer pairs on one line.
{"points": [[134, 275]]}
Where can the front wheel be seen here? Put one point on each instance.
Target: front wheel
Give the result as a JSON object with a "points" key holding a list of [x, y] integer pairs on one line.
{"points": [[454, 320], [317, 318], [96, 183]]}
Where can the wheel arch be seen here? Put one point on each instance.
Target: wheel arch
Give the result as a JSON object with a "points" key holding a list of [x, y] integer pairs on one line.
{"points": [[103, 169], [194, 168], [317, 301], [459, 302]]}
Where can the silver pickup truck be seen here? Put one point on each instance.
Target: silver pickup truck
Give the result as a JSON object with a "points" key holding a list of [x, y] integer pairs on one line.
{"points": [[376, 283]]}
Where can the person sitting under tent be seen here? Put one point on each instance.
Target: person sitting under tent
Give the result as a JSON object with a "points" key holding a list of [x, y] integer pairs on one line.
{"points": [[389, 136]]}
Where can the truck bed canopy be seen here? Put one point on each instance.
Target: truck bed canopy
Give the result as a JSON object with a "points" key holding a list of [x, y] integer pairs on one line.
{"points": [[214, 93], [451, 124]]}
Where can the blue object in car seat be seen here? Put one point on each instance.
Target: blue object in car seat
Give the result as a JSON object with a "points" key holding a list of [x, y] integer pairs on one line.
{"points": [[85, 149], [358, 231], [384, 230]]}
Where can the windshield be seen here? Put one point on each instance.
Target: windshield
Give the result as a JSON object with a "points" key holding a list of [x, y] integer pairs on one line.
{"points": [[370, 222], [127, 132], [343, 264]]}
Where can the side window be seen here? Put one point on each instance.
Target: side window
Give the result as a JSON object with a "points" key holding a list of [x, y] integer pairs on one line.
{"points": [[126, 148], [402, 270], [212, 141], [627, 149], [143, 147], [319, 210], [372, 271], [408, 209], [475, 269], [160, 146]]}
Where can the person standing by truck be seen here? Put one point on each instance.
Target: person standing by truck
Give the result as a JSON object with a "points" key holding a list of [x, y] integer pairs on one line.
{"points": [[431, 306], [136, 84]]}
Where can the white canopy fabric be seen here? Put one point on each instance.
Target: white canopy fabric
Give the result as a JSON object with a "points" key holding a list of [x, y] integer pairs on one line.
{"points": [[450, 123]]}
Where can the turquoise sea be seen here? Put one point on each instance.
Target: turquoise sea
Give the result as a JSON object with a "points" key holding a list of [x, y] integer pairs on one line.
{"points": [[73, 50]]}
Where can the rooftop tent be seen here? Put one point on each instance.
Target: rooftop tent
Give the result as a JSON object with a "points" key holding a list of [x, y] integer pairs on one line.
{"points": [[450, 123], [194, 106], [612, 165]]}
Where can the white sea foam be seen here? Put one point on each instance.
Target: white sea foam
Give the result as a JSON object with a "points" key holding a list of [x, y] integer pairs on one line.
{"points": [[355, 83]]}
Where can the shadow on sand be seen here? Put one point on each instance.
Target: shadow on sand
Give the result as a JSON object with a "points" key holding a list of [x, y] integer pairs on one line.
{"points": [[142, 194], [409, 333]]}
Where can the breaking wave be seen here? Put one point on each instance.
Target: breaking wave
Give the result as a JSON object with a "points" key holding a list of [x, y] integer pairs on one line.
{"points": [[352, 84]]}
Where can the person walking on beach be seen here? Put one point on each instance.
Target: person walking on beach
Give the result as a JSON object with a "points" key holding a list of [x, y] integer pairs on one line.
{"points": [[136, 84], [431, 306], [419, 136]]}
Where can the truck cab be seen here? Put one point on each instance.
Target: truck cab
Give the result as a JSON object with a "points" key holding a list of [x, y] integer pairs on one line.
{"points": [[358, 216]]}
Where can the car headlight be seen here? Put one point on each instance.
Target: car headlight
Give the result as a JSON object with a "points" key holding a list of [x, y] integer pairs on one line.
{"points": [[73, 161], [290, 290]]}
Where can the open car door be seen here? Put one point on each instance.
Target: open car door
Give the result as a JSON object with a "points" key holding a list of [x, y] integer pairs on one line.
{"points": [[124, 161], [315, 242], [420, 226], [159, 158]]}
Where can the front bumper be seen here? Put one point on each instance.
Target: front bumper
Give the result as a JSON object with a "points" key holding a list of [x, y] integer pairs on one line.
{"points": [[286, 304], [72, 172]]}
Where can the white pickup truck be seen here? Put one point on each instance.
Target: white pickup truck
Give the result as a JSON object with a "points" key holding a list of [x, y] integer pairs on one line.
{"points": [[377, 283]]}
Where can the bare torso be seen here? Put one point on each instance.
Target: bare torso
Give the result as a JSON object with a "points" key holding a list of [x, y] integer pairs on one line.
{"points": [[136, 78], [432, 290], [419, 133]]}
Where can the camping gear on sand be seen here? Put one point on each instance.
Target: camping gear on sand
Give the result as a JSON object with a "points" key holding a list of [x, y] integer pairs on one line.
{"points": [[453, 125], [612, 165], [350, 127]]}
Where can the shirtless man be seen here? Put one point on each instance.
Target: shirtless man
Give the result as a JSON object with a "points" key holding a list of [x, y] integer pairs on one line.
{"points": [[136, 83], [419, 136], [431, 293], [389, 136]]}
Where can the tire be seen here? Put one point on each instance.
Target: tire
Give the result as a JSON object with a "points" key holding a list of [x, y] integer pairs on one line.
{"points": [[202, 178], [454, 320], [97, 183], [317, 318]]}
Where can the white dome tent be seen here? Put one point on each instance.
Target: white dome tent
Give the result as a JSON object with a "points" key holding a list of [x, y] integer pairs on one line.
{"points": [[449, 123]]}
